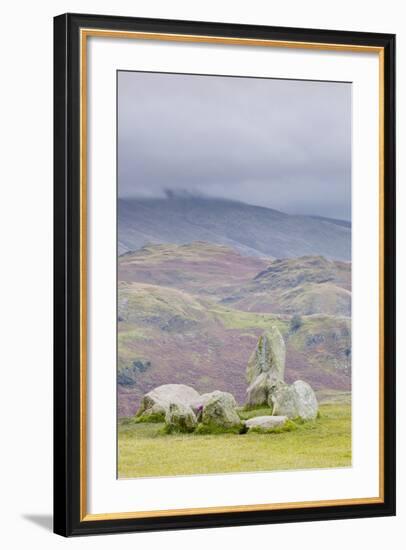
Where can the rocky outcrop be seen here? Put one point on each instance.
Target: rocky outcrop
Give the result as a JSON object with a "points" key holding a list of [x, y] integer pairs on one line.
{"points": [[180, 418], [265, 423], [294, 401], [156, 402]]}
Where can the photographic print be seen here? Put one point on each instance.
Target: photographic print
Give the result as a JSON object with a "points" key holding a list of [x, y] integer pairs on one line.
{"points": [[233, 274]]}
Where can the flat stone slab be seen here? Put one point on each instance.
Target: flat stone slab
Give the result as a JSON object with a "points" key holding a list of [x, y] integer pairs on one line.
{"points": [[266, 422]]}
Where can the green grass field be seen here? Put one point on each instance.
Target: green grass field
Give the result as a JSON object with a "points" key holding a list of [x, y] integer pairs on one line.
{"points": [[144, 451]]}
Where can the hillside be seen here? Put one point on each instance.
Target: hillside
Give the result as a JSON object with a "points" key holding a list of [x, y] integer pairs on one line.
{"points": [[198, 267], [179, 321], [251, 230], [305, 285]]}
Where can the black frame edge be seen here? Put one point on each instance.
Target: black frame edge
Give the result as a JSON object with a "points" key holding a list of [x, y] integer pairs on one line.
{"points": [[66, 277], [60, 473], [390, 274], [215, 28]]}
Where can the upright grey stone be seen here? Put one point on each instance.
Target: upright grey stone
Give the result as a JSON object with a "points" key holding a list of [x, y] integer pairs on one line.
{"points": [[269, 356]]}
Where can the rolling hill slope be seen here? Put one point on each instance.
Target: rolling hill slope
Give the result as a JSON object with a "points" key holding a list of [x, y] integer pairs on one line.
{"points": [[306, 285]]}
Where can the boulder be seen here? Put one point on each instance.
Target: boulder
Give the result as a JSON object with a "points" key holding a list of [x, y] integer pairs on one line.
{"points": [[156, 413], [220, 411], [282, 400], [297, 400], [265, 423], [199, 404], [197, 408], [307, 405], [258, 390], [269, 356], [157, 401], [180, 418]]}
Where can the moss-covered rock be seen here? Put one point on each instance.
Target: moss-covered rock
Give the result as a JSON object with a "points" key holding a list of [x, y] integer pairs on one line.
{"points": [[154, 414], [180, 419], [158, 400], [220, 411]]}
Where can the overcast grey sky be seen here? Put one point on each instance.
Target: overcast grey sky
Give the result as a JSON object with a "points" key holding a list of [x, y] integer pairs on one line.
{"points": [[284, 144]]}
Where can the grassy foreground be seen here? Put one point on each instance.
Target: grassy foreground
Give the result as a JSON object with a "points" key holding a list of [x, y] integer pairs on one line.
{"points": [[144, 451]]}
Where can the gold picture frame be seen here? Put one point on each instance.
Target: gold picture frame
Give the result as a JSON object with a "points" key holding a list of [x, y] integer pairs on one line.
{"points": [[71, 41]]}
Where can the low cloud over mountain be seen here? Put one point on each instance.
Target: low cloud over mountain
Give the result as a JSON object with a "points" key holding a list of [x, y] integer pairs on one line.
{"points": [[252, 230]]}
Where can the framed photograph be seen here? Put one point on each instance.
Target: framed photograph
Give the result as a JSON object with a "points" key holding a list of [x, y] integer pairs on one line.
{"points": [[224, 274]]}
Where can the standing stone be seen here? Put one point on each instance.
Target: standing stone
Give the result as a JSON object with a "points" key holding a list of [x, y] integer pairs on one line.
{"points": [[269, 356], [180, 418]]}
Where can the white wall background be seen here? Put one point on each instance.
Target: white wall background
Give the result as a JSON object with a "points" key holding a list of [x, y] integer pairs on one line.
{"points": [[26, 270]]}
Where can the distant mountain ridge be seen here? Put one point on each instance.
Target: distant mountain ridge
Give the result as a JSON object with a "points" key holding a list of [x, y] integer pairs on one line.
{"points": [[252, 230]]}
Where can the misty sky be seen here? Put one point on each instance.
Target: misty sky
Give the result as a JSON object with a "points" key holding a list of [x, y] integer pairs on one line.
{"points": [[283, 144]]}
